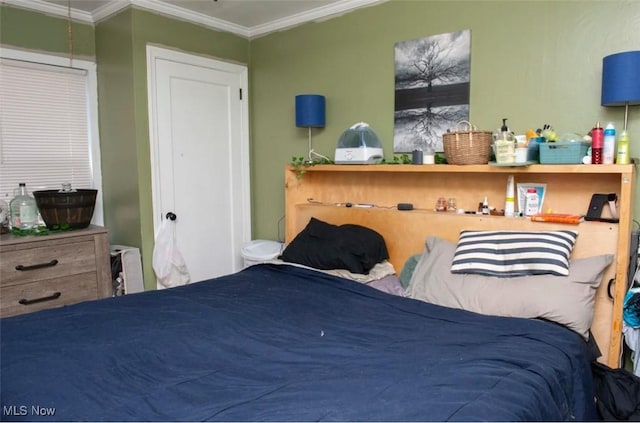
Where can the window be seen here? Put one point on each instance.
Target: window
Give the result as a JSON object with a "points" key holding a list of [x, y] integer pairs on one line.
{"points": [[48, 124]]}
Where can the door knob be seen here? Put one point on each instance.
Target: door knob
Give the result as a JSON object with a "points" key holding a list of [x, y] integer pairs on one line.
{"points": [[171, 216]]}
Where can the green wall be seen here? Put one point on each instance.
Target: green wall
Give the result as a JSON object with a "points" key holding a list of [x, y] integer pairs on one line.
{"points": [[118, 45], [124, 125], [118, 143], [534, 62], [35, 31]]}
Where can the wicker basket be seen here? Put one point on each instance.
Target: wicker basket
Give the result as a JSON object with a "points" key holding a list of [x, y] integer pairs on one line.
{"points": [[467, 147], [72, 210]]}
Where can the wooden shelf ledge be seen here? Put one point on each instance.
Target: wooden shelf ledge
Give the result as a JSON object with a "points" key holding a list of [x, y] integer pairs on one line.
{"points": [[445, 168]]}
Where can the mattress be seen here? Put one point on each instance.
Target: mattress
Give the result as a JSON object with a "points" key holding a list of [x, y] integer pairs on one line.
{"points": [[284, 343]]}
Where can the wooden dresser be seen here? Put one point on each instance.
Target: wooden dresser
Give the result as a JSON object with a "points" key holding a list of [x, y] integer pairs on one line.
{"points": [[40, 272]]}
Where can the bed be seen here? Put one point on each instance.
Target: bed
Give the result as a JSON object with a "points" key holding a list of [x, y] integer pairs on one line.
{"points": [[284, 343], [300, 339]]}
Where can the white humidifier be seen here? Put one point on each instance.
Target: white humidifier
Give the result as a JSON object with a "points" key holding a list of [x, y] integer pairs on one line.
{"points": [[359, 145]]}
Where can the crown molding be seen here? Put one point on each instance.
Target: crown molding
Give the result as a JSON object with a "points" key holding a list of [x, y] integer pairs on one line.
{"points": [[109, 9], [115, 6], [51, 9], [315, 15], [190, 16]]}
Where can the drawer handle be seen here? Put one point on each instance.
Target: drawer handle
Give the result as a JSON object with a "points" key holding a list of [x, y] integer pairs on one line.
{"points": [[53, 296], [37, 266]]}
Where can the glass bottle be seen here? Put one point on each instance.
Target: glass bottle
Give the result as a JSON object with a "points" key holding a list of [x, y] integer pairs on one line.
{"points": [[24, 211], [66, 187]]}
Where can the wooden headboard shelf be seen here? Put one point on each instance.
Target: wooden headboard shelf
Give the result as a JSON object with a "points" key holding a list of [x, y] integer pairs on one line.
{"points": [[324, 190]]}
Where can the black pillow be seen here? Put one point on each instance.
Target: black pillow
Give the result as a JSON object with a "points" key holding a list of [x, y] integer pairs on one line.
{"points": [[325, 246]]}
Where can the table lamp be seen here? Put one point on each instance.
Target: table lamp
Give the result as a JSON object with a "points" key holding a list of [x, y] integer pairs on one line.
{"points": [[310, 113], [621, 81]]}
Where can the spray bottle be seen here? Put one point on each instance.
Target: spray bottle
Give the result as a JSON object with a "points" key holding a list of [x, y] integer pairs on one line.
{"points": [[597, 142], [623, 148], [609, 145]]}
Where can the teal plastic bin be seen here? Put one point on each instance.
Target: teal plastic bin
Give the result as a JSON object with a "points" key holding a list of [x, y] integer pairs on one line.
{"points": [[568, 152]]}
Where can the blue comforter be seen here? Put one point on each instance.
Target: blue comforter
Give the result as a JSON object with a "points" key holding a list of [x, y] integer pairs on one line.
{"points": [[282, 343]]}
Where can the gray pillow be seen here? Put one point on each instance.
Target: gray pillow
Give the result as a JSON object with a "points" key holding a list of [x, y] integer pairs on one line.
{"points": [[567, 300]]}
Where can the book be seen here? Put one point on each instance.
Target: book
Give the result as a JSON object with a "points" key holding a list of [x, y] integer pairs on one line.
{"points": [[558, 218]]}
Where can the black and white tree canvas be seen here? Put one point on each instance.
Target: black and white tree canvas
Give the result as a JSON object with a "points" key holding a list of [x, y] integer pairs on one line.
{"points": [[432, 77]]}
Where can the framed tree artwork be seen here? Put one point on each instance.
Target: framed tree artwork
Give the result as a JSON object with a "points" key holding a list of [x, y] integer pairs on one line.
{"points": [[432, 83]]}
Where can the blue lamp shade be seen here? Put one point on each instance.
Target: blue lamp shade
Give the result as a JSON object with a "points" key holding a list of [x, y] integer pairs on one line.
{"points": [[310, 110], [621, 79]]}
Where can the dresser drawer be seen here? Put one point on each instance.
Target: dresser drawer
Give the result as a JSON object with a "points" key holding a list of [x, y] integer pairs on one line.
{"points": [[34, 296], [40, 272], [43, 263]]}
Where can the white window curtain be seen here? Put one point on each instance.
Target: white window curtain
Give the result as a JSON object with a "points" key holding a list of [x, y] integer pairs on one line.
{"points": [[47, 128]]}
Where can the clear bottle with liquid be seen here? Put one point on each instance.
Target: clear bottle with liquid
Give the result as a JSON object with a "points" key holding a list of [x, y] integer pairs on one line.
{"points": [[24, 211]]}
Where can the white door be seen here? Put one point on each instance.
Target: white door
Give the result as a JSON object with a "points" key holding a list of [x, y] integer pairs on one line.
{"points": [[198, 123]]}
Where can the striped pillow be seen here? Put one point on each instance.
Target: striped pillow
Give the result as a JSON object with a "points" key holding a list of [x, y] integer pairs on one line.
{"points": [[506, 254]]}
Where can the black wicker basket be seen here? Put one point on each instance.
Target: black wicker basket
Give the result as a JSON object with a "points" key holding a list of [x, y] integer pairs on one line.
{"points": [[66, 209]]}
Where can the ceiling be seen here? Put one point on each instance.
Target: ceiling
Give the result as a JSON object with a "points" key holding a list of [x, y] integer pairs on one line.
{"points": [[248, 18]]}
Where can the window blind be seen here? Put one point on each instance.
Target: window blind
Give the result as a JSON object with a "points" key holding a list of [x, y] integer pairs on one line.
{"points": [[44, 127]]}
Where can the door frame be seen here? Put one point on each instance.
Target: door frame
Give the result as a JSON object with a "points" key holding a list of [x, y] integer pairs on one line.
{"points": [[155, 53]]}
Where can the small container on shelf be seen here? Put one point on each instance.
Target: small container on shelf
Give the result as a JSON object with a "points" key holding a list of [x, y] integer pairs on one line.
{"points": [[622, 156], [504, 144], [563, 152], [451, 204], [505, 151], [533, 149]]}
